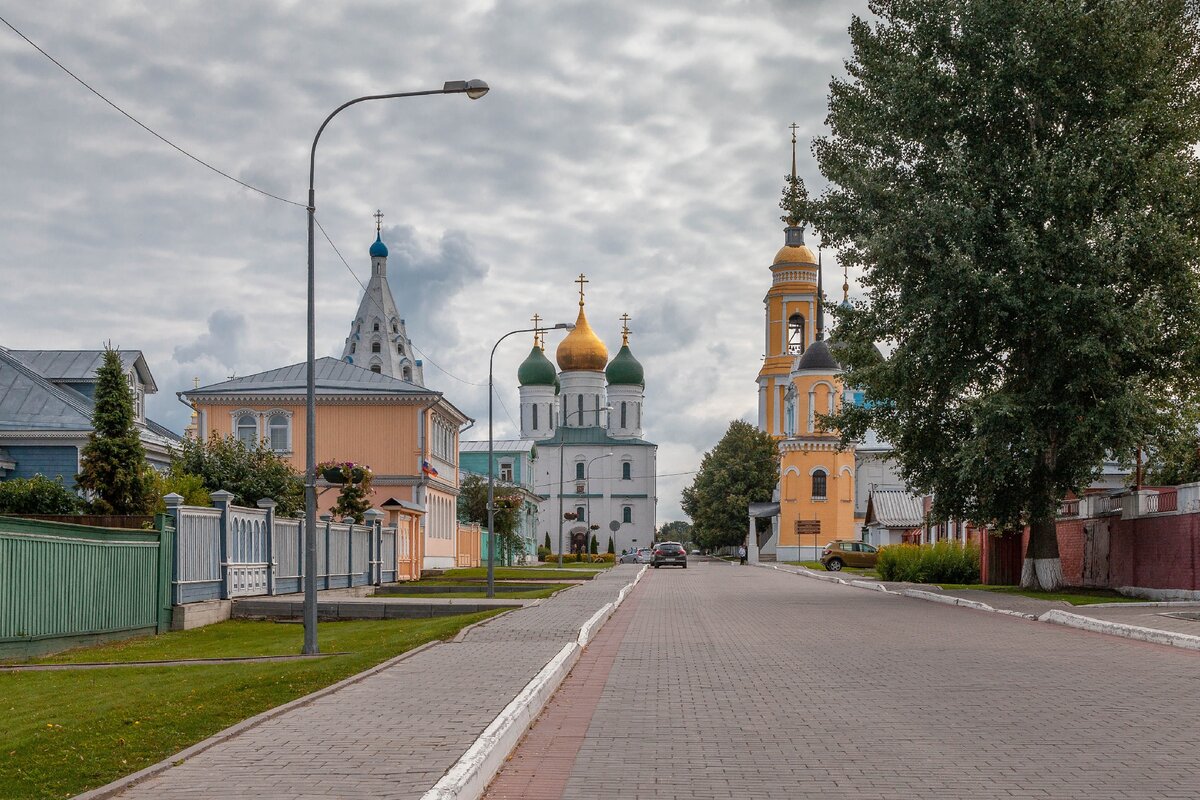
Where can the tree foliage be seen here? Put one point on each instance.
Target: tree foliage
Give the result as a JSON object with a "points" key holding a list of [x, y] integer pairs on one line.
{"points": [[1019, 183], [676, 531], [743, 468], [250, 473], [1174, 453], [112, 465], [472, 507], [37, 495]]}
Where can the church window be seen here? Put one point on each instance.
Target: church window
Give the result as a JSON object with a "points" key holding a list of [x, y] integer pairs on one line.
{"points": [[535, 419], [247, 430], [638, 415], [279, 433], [375, 327], [579, 514], [627, 514], [395, 327], [624, 421], [400, 349], [375, 347], [626, 471], [353, 347], [818, 484], [795, 334], [376, 369], [407, 374], [579, 410], [579, 470]]}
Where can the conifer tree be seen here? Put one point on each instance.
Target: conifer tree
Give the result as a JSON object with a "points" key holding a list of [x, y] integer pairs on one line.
{"points": [[113, 468]]}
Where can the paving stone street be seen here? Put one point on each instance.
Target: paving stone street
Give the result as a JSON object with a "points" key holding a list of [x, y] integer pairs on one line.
{"points": [[724, 681]]}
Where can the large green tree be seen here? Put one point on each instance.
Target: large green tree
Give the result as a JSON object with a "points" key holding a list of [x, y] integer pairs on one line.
{"points": [[743, 468], [1018, 180], [472, 507], [250, 473], [112, 465]]}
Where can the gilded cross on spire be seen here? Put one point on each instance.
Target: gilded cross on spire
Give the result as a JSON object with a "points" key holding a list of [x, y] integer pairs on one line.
{"points": [[845, 284], [379, 214], [625, 329], [537, 329], [793, 126], [581, 280]]}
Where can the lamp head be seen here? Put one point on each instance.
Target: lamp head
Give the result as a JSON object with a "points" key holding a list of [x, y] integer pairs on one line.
{"points": [[565, 326], [473, 89]]}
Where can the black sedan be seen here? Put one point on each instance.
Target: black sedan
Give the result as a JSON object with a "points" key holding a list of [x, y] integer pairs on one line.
{"points": [[669, 554]]}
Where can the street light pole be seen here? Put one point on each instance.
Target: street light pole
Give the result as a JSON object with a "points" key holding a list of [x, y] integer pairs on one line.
{"points": [[491, 506], [562, 479], [473, 89]]}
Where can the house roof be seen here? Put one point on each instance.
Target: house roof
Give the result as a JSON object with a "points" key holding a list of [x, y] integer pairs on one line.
{"points": [[894, 508], [333, 377], [590, 435], [80, 366], [29, 401], [500, 446]]}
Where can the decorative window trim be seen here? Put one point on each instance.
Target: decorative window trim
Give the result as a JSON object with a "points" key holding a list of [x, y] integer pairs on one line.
{"points": [[266, 424], [236, 416]]}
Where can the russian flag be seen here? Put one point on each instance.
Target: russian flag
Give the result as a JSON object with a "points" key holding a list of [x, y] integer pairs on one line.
{"points": [[428, 469]]}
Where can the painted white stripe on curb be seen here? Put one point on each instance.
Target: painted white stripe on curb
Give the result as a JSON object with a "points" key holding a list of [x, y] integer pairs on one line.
{"points": [[474, 770], [1121, 629]]}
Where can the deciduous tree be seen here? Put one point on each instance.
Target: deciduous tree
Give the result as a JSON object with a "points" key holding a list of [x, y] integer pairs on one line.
{"points": [[743, 468]]}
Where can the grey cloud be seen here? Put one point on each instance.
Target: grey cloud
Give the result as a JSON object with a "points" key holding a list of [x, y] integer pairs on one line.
{"points": [[222, 342]]}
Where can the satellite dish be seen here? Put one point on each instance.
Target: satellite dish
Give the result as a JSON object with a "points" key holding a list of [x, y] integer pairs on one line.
{"points": [[614, 526]]}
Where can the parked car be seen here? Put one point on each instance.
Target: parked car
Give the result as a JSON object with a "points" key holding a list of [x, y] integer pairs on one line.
{"points": [[695, 552], [628, 558], [844, 553], [669, 554], [644, 556]]}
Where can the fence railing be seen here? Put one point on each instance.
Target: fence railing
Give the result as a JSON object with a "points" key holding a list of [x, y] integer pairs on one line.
{"points": [[1106, 503], [1161, 502], [228, 551], [1068, 508]]}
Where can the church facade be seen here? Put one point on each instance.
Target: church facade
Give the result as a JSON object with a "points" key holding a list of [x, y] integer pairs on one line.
{"points": [[594, 462]]}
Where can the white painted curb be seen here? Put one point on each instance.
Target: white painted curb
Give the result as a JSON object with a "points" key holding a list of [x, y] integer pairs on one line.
{"points": [[474, 770], [1153, 635]]}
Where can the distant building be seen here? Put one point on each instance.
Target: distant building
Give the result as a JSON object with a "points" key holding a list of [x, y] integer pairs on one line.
{"points": [[513, 467], [46, 406]]}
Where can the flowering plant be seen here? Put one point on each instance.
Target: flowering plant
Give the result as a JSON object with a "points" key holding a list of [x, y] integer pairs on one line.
{"points": [[356, 487], [344, 472]]}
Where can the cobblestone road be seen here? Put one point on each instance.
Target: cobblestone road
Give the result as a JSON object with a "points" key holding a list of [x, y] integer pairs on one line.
{"points": [[724, 681]]}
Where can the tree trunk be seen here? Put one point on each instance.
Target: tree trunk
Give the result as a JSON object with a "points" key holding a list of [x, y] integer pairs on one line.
{"points": [[1042, 568]]}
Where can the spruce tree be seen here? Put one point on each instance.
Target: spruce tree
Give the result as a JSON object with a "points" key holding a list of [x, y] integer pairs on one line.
{"points": [[113, 468]]}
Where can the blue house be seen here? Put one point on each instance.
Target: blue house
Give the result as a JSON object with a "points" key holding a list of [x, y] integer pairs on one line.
{"points": [[513, 467], [46, 403]]}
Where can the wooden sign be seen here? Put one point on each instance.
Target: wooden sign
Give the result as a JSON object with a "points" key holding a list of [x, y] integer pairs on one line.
{"points": [[809, 526]]}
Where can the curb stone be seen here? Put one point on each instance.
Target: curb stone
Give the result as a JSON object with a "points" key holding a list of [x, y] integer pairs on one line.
{"points": [[1152, 635], [474, 770]]}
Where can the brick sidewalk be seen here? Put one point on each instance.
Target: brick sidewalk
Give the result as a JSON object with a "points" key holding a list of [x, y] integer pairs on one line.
{"points": [[395, 733], [733, 682]]}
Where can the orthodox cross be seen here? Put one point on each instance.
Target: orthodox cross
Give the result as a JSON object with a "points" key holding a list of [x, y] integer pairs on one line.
{"points": [[625, 328], [845, 284], [379, 219], [537, 329], [581, 280]]}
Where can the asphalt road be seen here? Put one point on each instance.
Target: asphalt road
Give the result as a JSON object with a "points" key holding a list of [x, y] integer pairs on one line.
{"points": [[724, 681]]}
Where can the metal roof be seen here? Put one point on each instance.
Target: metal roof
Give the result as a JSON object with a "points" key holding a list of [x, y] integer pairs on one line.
{"points": [[80, 366], [30, 402], [818, 357], [333, 376], [590, 435], [894, 508], [499, 446]]}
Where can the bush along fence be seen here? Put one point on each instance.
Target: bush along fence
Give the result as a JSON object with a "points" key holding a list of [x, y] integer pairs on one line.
{"points": [[68, 585], [228, 551]]}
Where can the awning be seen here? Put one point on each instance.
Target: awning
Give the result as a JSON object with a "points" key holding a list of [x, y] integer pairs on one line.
{"points": [[764, 509]]}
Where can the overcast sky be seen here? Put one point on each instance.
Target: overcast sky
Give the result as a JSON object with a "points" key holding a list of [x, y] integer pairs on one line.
{"points": [[643, 143]]}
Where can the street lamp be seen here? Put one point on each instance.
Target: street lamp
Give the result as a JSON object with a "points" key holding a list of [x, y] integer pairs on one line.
{"points": [[491, 510], [473, 89], [562, 478]]}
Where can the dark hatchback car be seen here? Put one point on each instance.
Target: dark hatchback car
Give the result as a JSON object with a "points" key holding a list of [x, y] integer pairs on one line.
{"points": [[669, 554]]}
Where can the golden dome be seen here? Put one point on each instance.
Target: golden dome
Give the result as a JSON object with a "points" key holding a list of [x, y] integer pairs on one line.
{"points": [[795, 254], [582, 349]]}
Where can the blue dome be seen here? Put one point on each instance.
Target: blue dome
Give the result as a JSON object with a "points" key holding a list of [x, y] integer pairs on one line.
{"points": [[379, 249]]}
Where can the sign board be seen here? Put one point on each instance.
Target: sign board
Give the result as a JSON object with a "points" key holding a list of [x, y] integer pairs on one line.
{"points": [[809, 526], [614, 526]]}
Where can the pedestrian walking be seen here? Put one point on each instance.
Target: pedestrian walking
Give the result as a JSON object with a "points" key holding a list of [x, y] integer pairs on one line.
{"points": [[742, 553]]}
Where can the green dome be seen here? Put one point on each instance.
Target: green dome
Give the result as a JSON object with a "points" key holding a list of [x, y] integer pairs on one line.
{"points": [[625, 370], [536, 370]]}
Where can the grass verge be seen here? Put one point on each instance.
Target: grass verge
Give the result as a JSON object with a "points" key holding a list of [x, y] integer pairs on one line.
{"points": [[817, 566], [518, 574], [531, 594], [66, 732], [1076, 597]]}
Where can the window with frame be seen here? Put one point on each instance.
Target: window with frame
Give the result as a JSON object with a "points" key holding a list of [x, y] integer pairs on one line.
{"points": [[399, 348], [795, 334], [506, 471], [579, 514], [626, 471], [247, 430], [627, 514], [375, 347], [353, 347], [624, 415], [819, 482], [279, 433], [407, 374], [579, 468], [376, 369], [375, 326], [535, 416]]}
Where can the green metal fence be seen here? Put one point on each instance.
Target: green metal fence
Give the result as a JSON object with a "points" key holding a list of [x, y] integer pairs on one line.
{"points": [[63, 585]]}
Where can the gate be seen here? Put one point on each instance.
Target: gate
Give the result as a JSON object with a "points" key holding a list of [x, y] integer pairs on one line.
{"points": [[1004, 559], [1095, 552], [247, 553]]}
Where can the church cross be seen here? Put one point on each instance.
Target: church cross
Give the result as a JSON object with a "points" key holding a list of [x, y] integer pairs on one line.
{"points": [[378, 220], [793, 126], [625, 328], [581, 280], [537, 329]]}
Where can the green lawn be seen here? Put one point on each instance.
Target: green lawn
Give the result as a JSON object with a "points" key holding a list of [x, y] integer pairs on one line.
{"points": [[518, 574], [817, 566], [1076, 597], [64, 732], [531, 594]]}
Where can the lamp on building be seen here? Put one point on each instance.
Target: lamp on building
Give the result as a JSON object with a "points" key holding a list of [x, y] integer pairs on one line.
{"points": [[473, 89], [491, 506]]}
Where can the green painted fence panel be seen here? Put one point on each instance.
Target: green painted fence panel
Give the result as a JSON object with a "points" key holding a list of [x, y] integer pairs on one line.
{"points": [[61, 584]]}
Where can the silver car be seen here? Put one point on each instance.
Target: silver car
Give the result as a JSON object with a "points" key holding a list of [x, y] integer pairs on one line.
{"points": [[644, 555]]}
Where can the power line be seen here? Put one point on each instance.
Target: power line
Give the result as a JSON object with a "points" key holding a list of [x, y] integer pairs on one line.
{"points": [[144, 126]]}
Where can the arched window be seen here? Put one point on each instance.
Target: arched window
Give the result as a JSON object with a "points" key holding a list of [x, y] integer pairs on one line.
{"points": [[407, 374], [353, 347], [627, 514], [376, 369], [579, 410], [395, 327], [279, 433], [818, 484], [795, 334], [375, 347], [535, 419], [375, 327], [579, 470], [579, 514], [626, 471], [400, 348], [247, 430], [624, 419]]}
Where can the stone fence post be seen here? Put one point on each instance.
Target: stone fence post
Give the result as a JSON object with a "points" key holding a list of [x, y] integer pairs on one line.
{"points": [[174, 504], [374, 546], [222, 500], [268, 505]]}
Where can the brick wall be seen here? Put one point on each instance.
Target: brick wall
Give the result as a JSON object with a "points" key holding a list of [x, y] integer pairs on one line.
{"points": [[1157, 552]]}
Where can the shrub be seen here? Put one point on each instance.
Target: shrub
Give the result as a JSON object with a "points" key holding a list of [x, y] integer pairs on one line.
{"points": [[543, 553], [37, 495], [943, 562]]}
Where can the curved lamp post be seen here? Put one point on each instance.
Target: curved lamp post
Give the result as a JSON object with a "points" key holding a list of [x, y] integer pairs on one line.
{"points": [[562, 477], [473, 89], [491, 506]]}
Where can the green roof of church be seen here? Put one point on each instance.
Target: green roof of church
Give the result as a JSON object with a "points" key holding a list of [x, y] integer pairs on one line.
{"points": [[536, 370], [626, 370]]}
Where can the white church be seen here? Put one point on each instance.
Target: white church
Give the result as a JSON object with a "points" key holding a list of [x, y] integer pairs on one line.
{"points": [[592, 458]]}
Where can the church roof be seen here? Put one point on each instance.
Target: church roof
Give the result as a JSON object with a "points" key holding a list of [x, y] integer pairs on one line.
{"points": [[378, 248], [818, 357], [894, 508], [333, 377], [590, 435], [582, 349], [80, 366], [536, 369], [625, 369]]}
